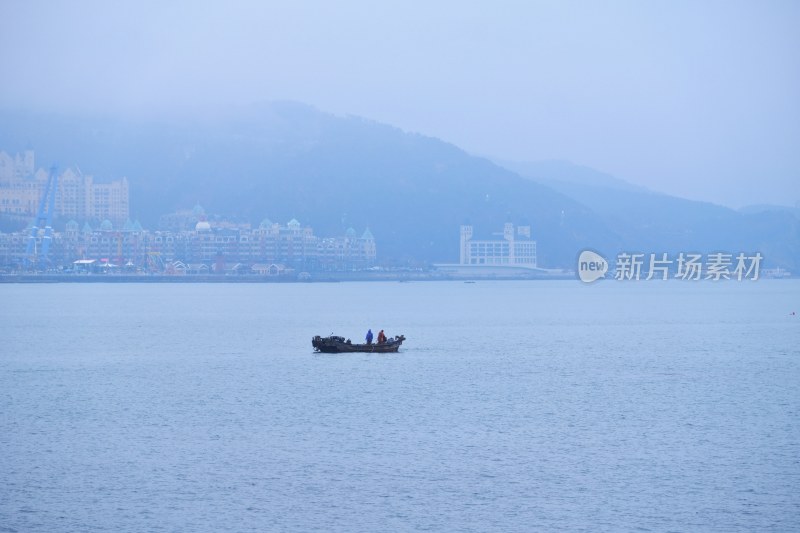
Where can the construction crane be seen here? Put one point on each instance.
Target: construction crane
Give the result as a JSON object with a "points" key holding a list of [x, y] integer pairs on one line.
{"points": [[155, 263], [47, 205]]}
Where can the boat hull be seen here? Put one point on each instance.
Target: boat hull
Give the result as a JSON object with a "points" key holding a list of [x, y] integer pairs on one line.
{"points": [[335, 344]]}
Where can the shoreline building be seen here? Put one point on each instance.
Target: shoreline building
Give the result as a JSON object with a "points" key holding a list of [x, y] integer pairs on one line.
{"points": [[516, 248], [78, 196], [206, 247], [505, 255]]}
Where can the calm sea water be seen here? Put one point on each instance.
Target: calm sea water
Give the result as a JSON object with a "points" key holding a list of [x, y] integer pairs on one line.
{"points": [[513, 406]]}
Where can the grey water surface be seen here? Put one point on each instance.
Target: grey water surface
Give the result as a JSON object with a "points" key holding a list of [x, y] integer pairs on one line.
{"points": [[512, 406]]}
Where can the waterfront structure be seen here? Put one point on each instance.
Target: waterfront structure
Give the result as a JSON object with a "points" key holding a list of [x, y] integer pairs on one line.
{"points": [[78, 196], [515, 248], [282, 248], [511, 254]]}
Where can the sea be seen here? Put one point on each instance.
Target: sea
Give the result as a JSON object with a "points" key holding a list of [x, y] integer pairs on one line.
{"points": [[512, 406]]}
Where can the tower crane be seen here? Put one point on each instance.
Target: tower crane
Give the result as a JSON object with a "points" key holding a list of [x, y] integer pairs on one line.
{"points": [[47, 205]]}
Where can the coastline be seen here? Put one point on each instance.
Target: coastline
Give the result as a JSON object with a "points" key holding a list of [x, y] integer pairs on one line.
{"points": [[321, 277]]}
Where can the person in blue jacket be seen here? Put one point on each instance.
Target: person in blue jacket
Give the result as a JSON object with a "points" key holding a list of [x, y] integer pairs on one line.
{"points": [[369, 336]]}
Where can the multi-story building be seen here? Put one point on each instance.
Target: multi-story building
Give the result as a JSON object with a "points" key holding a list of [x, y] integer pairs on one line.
{"points": [[78, 196], [515, 248], [16, 167], [218, 247]]}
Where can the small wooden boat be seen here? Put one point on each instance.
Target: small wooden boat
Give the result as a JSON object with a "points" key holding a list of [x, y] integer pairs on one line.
{"points": [[336, 344]]}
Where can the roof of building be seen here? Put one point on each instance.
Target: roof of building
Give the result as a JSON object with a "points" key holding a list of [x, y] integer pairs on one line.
{"points": [[264, 266], [367, 235], [484, 234]]}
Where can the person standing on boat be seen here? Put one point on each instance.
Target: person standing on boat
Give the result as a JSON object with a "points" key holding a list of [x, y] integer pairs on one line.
{"points": [[369, 336], [381, 337]]}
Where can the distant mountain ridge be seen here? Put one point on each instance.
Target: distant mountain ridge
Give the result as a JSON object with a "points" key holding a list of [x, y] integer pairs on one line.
{"points": [[286, 160], [555, 173], [653, 222], [764, 208]]}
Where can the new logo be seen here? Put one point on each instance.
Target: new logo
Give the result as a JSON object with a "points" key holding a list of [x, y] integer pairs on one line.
{"points": [[591, 266]]}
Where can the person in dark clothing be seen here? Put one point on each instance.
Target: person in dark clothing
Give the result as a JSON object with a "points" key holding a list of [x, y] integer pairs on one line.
{"points": [[369, 336]]}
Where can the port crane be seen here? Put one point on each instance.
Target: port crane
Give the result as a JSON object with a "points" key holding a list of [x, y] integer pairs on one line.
{"points": [[47, 205]]}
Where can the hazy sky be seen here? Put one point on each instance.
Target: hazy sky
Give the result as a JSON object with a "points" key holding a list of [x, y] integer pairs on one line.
{"points": [[698, 99]]}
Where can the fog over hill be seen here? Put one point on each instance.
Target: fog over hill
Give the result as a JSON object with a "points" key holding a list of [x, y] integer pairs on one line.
{"points": [[648, 221], [288, 160]]}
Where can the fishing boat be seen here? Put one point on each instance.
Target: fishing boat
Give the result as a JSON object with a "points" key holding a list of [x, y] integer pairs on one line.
{"points": [[336, 344]]}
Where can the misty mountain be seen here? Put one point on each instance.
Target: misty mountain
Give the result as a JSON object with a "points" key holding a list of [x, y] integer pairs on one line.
{"points": [[769, 208], [287, 160], [647, 221], [559, 174]]}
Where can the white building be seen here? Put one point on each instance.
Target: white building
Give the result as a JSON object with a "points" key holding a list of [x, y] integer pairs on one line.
{"points": [[515, 248]]}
